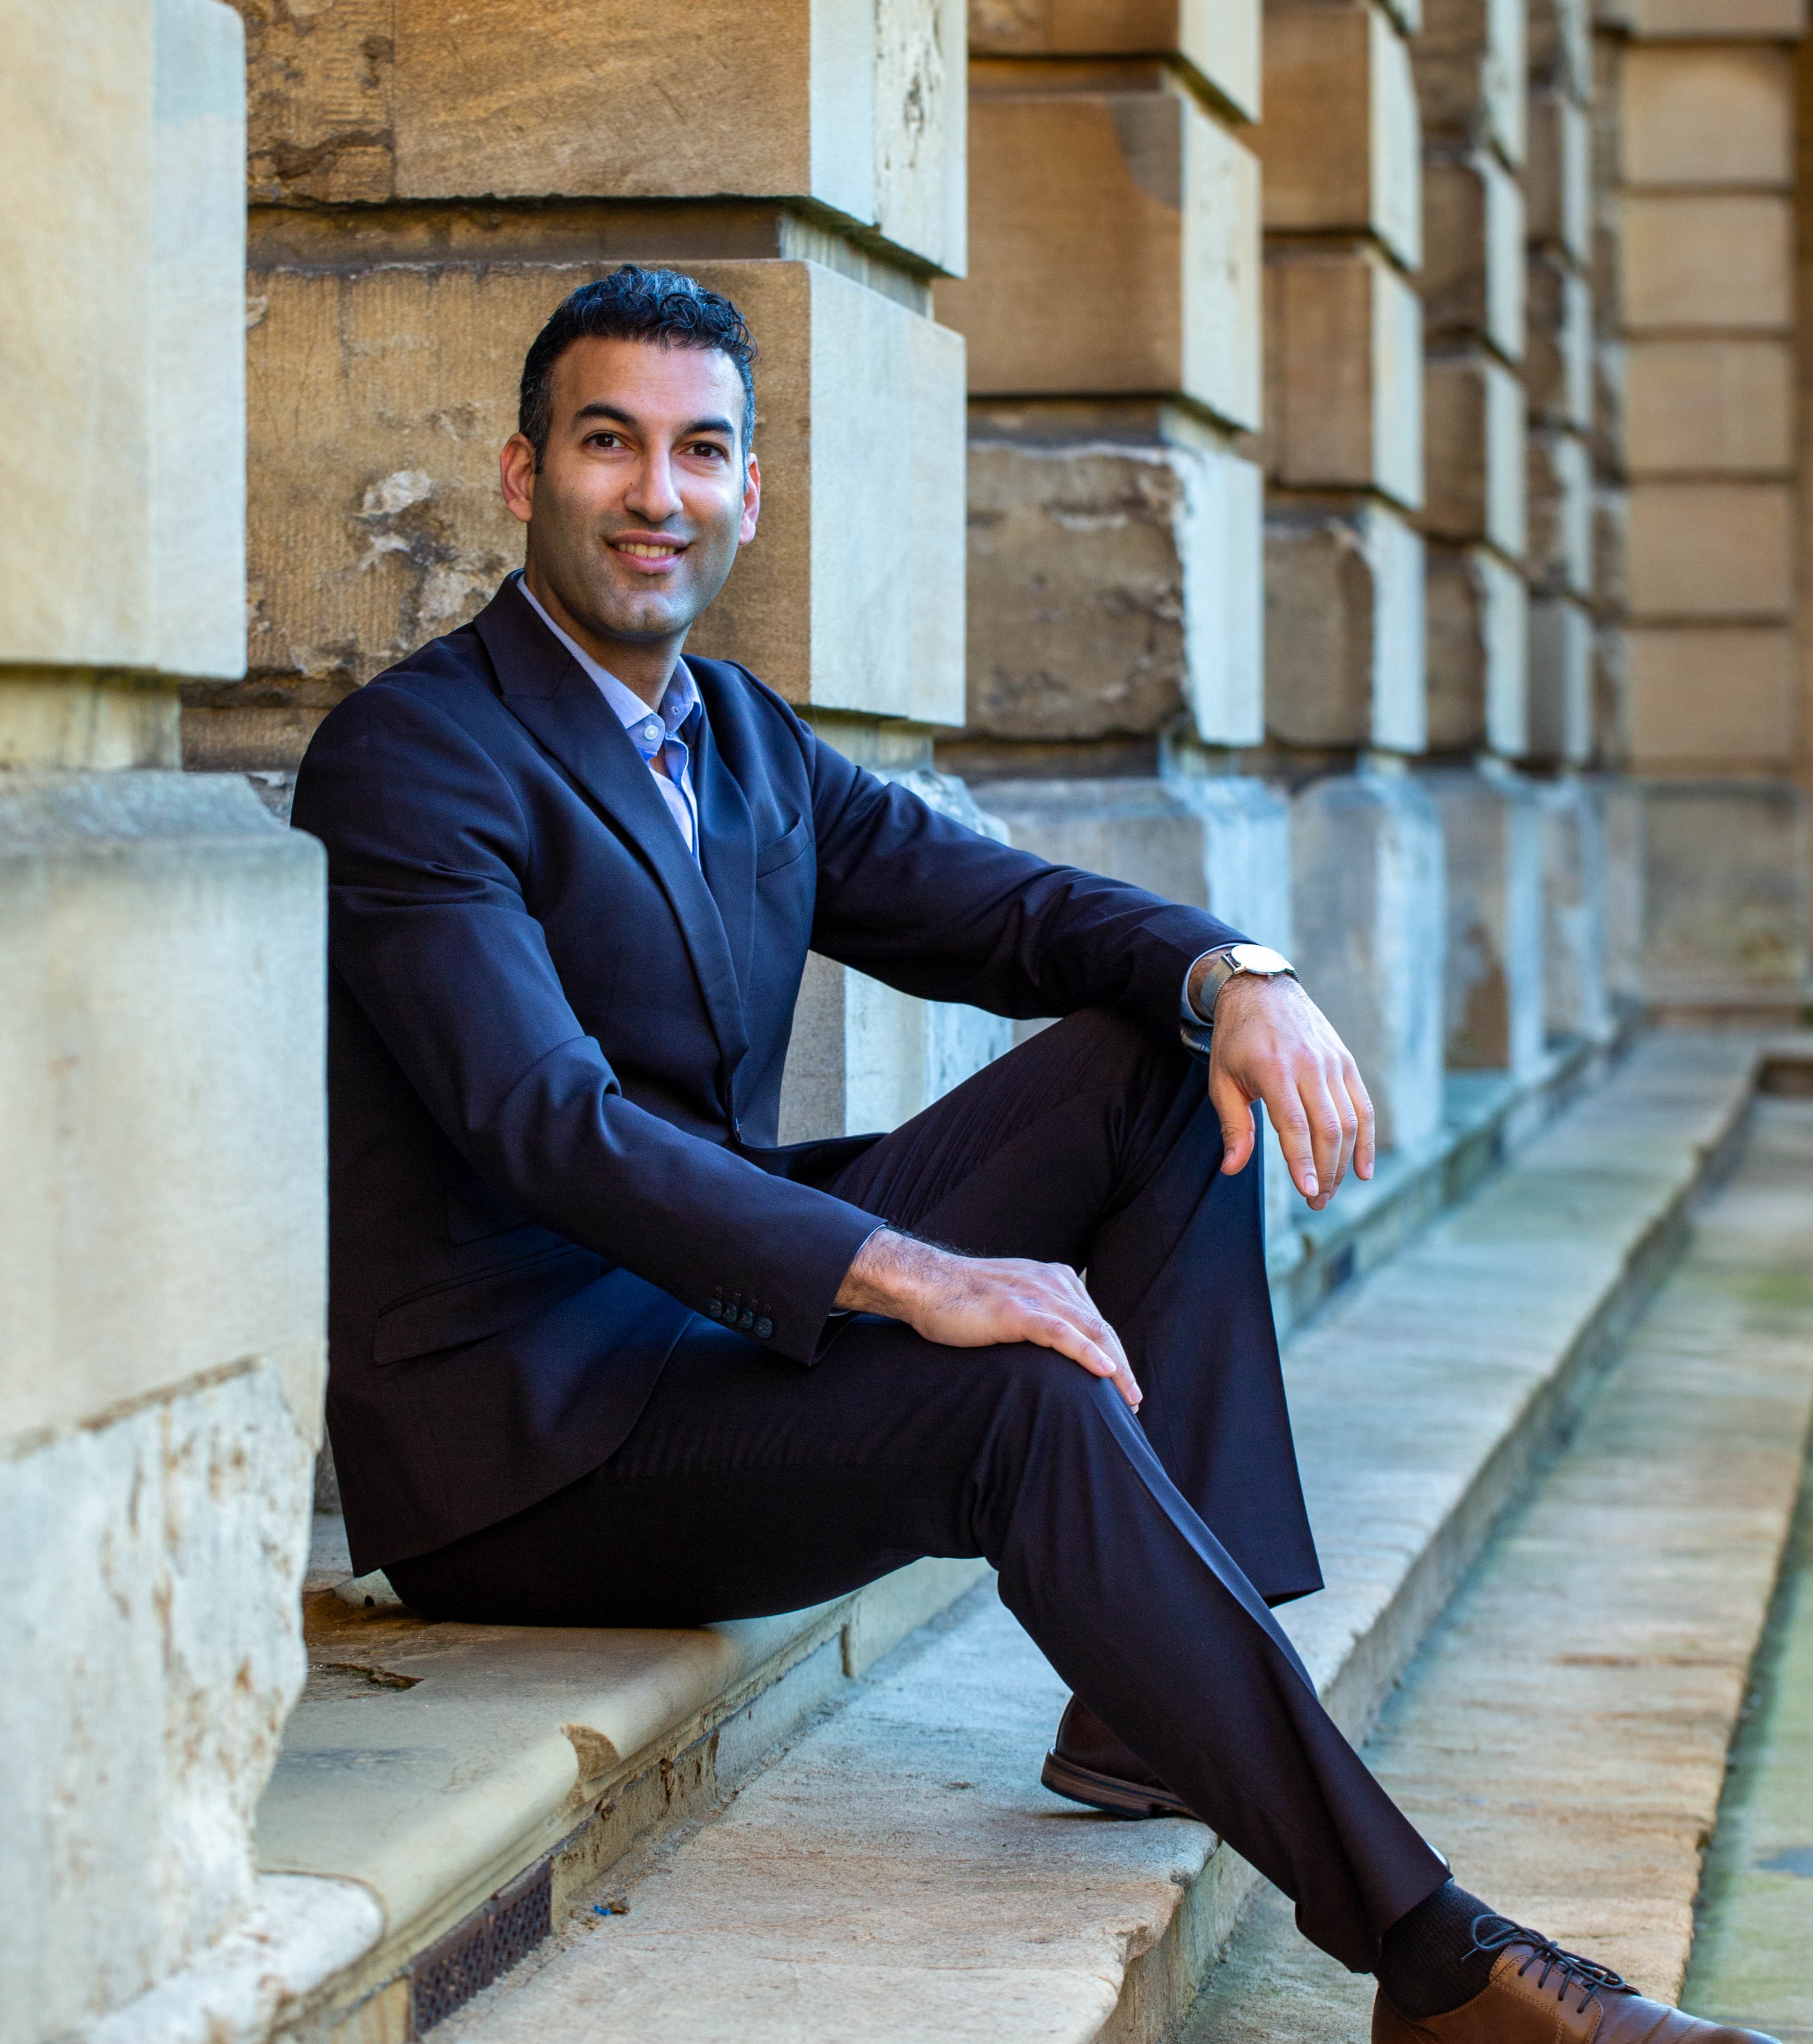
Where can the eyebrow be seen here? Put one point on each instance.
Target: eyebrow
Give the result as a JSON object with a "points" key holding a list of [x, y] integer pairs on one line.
{"points": [[598, 409]]}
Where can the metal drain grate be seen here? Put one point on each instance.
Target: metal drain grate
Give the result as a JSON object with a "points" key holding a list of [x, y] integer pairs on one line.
{"points": [[490, 1941]]}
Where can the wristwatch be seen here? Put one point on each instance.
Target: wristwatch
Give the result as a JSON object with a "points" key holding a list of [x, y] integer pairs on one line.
{"points": [[1232, 962]]}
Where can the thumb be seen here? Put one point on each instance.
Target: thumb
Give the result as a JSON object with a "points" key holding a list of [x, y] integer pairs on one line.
{"points": [[1234, 1105]]}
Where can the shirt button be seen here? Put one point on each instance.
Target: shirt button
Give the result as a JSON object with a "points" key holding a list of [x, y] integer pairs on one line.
{"points": [[651, 732], [764, 1328]]}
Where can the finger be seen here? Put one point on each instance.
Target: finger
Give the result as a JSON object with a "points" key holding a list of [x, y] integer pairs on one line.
{"points": [[1083, 1311], [1365, 1144], [1233, 1104], [1053, 1331], [1324, 1122], [1335, 1080], [1292, 1127]]}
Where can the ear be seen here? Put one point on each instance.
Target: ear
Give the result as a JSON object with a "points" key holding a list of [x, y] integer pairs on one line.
{"points": [[515, 467], [752, 501]]}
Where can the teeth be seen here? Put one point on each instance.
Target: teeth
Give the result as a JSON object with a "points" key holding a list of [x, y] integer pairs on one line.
{"points": [[642, 553]]}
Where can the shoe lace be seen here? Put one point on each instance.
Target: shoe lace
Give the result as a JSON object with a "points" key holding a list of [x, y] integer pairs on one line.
{"points": [[1500, 1933]]}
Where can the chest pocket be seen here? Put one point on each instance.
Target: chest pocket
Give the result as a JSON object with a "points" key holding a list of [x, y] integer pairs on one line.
{"points": [[783, 850]]}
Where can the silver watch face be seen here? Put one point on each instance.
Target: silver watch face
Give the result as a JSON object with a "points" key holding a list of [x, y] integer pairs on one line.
{"points": [[1258, 958]]}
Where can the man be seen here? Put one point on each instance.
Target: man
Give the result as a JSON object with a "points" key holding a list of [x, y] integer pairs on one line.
{"points": [[602, 1354]]}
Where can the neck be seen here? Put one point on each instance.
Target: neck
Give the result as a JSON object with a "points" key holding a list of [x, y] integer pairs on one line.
{"points": [[642, 666]]}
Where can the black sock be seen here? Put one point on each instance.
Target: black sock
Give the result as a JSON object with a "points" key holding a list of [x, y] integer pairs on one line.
{"points": [[1427, 1963]]}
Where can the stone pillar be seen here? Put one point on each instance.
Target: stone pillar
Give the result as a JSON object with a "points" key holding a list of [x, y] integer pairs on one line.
{"points": [[422, 198], [162, 1204], [1345, 586], [1699, 341]]}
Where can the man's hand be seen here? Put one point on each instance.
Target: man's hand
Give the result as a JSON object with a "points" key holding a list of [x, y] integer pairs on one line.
{"points": [[973, 1301], [1272, 1043]]}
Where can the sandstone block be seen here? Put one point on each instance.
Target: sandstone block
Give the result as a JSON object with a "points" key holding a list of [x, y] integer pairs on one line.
{"points": [[1344, 372], [1473, 238], [1707, 116], [1701, 20], [1725, 890], [1112, 588], [375, 100], [1713, 407], [1344, 625], [1558, 176], [1493, 990], [162, 1292], [1719, 259], [1147, 200], [1561, 554], [1612, 548], [1370, 926], [1562, 649], [1558, 356], [1712, 549], [1470, 64], [1576, 999], [1338, 148], [1474, 407], [1218, 39], [1701, 696], [1559, 33], [379, 398], [1478, 653]]}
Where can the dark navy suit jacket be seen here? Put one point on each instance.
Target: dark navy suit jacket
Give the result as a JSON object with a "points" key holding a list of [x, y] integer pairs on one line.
{"points": [[555, 1044]]}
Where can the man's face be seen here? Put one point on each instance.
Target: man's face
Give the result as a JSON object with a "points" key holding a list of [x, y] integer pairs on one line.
{"points": [[644, 495]]}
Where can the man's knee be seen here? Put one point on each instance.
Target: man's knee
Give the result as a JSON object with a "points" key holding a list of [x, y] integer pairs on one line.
{"points": [[1038, 1392]]}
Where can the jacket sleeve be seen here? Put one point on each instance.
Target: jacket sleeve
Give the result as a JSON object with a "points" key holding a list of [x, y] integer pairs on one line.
{"points": [[934, 909], [428, 926]]}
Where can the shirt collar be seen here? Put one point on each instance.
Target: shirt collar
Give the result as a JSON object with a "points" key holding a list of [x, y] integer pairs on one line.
{"points": [[678, 703]]}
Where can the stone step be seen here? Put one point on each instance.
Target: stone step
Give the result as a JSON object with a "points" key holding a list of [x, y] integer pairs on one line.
{"points": [[900, 1874], [1561, 1735]]}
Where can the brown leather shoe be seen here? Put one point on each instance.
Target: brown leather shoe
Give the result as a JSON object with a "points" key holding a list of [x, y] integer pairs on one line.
{"points": [[1090, 1765], [1538, 1994]]}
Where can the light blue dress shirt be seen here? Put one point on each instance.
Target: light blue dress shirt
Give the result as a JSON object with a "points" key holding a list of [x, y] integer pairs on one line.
{"points": [[651, 732]]}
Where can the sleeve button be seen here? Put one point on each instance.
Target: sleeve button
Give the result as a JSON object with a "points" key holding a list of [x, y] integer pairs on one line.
{"points": [[745, 1320], [715, 1307], [764, 1328]]}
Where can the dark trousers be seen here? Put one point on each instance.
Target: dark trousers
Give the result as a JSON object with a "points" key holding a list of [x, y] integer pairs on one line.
{"points": [[751, 1485]]}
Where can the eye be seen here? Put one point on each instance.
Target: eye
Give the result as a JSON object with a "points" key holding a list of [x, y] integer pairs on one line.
{"points": [[604, 438], [709, 448]]}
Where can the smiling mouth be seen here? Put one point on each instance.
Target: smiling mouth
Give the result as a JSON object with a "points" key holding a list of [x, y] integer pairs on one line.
{"points": [[655, 552]]}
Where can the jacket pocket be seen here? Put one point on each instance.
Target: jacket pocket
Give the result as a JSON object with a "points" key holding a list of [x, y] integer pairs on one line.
{"points": [[783, 850], [470, 1308]]}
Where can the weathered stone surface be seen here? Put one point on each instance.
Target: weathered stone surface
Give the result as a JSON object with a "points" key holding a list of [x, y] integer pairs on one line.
{"points": [[1367, 904], [1218, 39], [1557, 177], [1559, 35], [1558, 350], [1561, 635], [1712, 549], [863, 112], [161, 1220], [1470, 68], [1707, 116], [1559, 556], [1575, 1002], [1344, 626], [1493, 1007], [1700, 694], [1339, 145], [380, 397], [1708, 407], [1343, 375], [1702, 21], [1474, 432], [1472, 243], [1717, 259], [1478, 653], [1725, 892], [1112, 588], [1149, 199]]}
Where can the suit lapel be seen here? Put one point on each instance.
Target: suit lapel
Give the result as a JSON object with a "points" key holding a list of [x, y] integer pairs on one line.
{"points": [[547, 690]]}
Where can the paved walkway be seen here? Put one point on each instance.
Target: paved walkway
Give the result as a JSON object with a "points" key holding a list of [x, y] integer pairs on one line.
{"points": [[1562, 1734]]}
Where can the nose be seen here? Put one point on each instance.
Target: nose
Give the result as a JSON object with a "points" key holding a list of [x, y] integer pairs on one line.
{"points": [[653, 495]]}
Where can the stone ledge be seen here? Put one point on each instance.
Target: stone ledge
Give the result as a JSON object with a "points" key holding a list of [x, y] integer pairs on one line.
{"points": [[851, 1889]]}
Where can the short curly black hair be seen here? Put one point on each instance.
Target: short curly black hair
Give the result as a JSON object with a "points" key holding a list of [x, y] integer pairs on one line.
{"points": [[664, 306]]}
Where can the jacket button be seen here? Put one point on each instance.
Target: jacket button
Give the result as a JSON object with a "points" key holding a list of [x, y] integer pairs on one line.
{"points": [[745, 1320], [764, 1328], [715, 1307]]}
